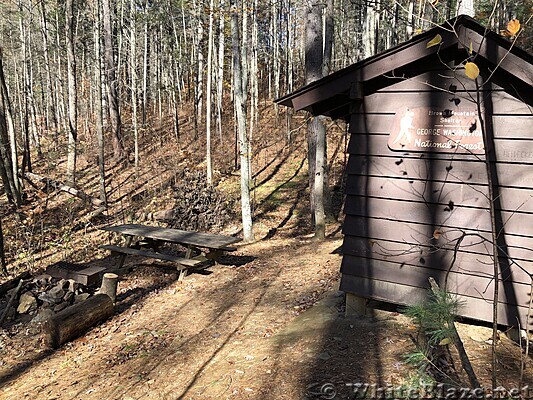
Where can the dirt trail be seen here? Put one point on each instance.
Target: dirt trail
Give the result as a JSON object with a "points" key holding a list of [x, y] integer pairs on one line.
{"points": [[188, 339], [246, 330]]}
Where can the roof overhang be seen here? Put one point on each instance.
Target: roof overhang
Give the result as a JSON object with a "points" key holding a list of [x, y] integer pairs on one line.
{"points": [[333, 94]]}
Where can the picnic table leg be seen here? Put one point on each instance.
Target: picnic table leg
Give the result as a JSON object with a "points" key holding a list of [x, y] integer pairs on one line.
{"points": [[122, 259], [188, 253], [183, 274]]}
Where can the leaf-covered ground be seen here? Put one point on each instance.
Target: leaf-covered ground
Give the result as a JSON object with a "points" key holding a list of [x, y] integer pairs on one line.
{"points": [[265, 323]]}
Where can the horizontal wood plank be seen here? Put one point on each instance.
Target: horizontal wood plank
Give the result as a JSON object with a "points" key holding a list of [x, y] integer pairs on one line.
{"points": [[458, 283], [438, 258], [198, 239], [160, 256], [504, 126], [474, 241], [507, 150], [446, 194], [461, 218], [503, 103], [474, 308]]}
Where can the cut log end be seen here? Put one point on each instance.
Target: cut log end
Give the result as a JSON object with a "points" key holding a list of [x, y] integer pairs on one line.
{"points": [[109, 285]]}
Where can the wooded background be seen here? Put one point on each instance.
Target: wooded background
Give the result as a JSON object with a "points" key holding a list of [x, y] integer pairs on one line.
{"points": [[108, 68]]}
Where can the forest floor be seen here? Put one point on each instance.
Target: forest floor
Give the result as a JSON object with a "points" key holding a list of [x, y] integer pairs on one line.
{"points": [[267, 322]]}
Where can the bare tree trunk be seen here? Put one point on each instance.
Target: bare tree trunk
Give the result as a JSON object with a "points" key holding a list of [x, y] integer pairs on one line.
{"points": [[99, 104], [315, 128], [111, 83], [72, 93], [145, 65], [220, 71], [329, 36], [6, 163], [199, 99], [254, 72], [208, 95], [51, 92], [465, 7], [59, 83], [276, 57], [240, 111], [3, 263], [29, 109], [133, 72], [8, 112]]}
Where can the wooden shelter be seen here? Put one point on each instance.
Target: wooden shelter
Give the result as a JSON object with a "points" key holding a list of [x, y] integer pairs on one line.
{"points": [[417, 190]]}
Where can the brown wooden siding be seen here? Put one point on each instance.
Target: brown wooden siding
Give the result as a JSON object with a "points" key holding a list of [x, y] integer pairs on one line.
{"points": [[406, 210]]}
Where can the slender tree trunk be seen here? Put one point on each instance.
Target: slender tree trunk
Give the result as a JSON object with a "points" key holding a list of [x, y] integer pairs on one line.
{"points": [[240, 111], [111, 83], [254, 72], [329, 36], [51, 98], [220, 71], [133, 73], [72, 93], [145, 66], [209, 95], [99, 102], [3, 263], [9, 178], [12, 138], [58, 83], [200, 71], [276, 56]]}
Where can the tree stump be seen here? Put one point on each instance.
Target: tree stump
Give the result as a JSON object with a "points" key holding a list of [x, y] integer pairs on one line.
{"points": [[75, 320], [109, 285]]}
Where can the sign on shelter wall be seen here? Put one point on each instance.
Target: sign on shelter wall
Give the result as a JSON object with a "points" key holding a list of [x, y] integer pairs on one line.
{"points": [[433, 129]]}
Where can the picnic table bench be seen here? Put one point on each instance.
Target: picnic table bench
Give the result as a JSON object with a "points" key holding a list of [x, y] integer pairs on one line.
{"points": [[200, 247]]}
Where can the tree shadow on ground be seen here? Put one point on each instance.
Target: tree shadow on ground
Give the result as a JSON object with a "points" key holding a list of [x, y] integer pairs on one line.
{"points": [[165, 276]]}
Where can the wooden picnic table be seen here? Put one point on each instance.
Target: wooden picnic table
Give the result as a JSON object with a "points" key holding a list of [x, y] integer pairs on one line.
{"points": [[200, 247]]}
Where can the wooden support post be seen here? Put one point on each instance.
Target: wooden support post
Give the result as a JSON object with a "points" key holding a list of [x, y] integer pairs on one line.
{"points": [[109, 285], [122, 259], [75, 320], [183, 274], [355, 305]]}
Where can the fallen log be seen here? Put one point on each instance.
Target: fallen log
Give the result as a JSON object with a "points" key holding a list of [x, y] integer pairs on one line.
{"points": [[12, 283], [75, 320], [63, 188]]}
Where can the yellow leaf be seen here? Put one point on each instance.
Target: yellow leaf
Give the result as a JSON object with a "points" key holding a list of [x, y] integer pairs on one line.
{"points": [[470, 50], [471, 70], [445, 341], [513, 26], [436, 234], [435, 41]]}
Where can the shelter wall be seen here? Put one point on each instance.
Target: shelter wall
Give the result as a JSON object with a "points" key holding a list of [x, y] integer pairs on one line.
{"points": [[411, 215]]}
